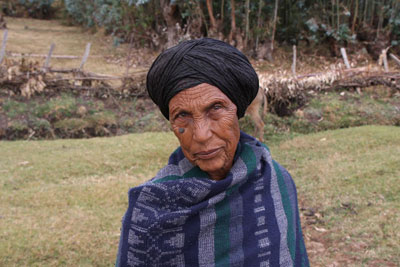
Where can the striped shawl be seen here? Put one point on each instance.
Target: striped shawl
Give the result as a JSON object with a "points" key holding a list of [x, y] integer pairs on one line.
{"points": [[183, 218]]}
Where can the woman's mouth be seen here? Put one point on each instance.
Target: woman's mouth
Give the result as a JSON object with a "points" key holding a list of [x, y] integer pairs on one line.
{"points": [[207, 154]]}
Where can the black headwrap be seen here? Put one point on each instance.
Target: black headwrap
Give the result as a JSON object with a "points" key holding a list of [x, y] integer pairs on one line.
{"points": [[205, 60]]}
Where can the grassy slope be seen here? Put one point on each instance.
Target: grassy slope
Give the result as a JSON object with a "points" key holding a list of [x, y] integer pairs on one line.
{"points": [[61, 201], [350, 177]]}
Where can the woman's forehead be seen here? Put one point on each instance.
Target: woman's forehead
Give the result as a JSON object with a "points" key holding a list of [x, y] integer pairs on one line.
{"points": [[200, 90], [202, 94]]}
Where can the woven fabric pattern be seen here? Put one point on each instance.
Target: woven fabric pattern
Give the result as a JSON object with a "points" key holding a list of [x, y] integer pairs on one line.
{"points": [[183, 218]]}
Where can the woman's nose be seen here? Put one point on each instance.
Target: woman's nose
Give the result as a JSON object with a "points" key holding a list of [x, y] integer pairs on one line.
{"points": [[201, 131]]}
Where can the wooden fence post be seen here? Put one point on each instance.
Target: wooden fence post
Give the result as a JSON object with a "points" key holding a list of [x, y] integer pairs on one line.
{"points": [[294, 60], [384, 58], [3, 45], [47, 62], [344, 55], [395, 58], [85, 56]]}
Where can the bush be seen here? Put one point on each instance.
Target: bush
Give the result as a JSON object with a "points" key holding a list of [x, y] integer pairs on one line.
{"points": [[18, 129], [41, 9], [14, 108], [73, 127], [58, 108], [42, 128], [116, 17], [102, 124]]}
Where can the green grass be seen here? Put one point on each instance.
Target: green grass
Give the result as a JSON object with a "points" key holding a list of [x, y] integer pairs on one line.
{"points": [[351, 178], [61, 201]]}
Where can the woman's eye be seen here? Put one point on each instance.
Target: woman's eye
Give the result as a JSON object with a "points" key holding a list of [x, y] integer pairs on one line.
{"points": [[217, 107], [181, 115]]}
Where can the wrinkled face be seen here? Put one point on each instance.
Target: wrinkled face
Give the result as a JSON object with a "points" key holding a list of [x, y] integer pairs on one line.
{"points": [[210, 128]]}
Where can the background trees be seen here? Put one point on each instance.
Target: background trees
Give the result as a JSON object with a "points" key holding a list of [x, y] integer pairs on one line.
{"points": [[255, 26]]}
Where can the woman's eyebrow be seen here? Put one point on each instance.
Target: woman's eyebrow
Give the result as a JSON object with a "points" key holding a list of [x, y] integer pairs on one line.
{"points": [[181, 108], [175, 109], [216, 101], [178, 110]]}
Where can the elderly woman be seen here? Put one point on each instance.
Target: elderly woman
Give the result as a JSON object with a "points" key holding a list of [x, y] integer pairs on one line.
{"points": [[221, 200]]}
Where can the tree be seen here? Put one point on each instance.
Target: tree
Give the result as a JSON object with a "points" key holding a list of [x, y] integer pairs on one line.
{"points": [[170, 11], [213, 23]]}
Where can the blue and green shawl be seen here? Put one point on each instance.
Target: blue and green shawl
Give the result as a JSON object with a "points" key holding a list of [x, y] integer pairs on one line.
{"points": [[183, 218]]}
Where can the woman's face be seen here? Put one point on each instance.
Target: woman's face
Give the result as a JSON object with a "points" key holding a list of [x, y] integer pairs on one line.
{"points": [[210, 128]]}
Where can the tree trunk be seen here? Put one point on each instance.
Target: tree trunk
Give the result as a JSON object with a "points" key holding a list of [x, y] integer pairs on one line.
{"points": [[338, 16], [222, 10], [274, 26], [247, 11], [372, 15], [195, 23], [213, 24], [354, 18], [365, 12], [260, 3], [233, 22], [380, 21], [333, 13], [169, 11]]}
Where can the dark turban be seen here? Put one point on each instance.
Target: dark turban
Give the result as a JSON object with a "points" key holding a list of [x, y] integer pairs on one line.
{"points": [[206, 60]]}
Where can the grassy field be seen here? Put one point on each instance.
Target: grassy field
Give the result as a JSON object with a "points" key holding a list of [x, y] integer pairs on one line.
{"points": [[61, 201]]}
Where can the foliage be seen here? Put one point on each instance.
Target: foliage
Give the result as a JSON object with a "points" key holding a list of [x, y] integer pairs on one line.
{"points": [[117, 17], [41, 9], [394, 23], [318, 33], [14, 108], [96, 13]]}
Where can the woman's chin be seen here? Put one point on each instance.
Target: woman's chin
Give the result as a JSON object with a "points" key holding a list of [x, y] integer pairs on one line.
{"points": [[216, 168]]}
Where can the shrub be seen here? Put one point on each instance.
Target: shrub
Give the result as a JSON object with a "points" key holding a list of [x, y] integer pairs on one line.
{"points": [[41, 9], [14, 108], [71, 127], [117, 17], [17, 129], [127, 123], [102, 123], [61, 107]]}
